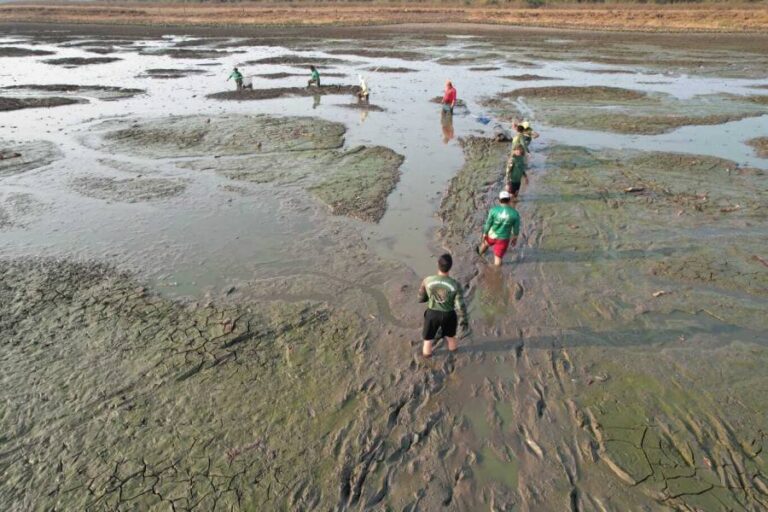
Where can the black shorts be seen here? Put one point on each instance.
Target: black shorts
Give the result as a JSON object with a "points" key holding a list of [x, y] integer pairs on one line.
{"points": [[434, 320], [514, 188]]}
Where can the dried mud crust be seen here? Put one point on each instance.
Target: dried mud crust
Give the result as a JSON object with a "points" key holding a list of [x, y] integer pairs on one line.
{"points": [[280, 92], [631, 112], [761, 146], [16, 158], [101, 92], [80, 61], [178, 398], [128, 190], [12, 51], [7, 104]]}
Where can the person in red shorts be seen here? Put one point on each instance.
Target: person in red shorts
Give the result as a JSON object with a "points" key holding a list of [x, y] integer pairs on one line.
{"points": [[501, 228], [449, 98]]}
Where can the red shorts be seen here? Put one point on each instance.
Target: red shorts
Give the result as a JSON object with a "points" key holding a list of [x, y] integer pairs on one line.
{"points": [[499, 246]]}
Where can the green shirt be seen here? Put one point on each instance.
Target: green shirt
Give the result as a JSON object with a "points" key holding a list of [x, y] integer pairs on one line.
{"points": [[518, 140], [236, 75], [515, 168], [315, 75], [502, 221], [443, 293]]}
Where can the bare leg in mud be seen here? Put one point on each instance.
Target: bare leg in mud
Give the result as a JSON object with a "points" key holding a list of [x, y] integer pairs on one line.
{"points": [[453, 346]]}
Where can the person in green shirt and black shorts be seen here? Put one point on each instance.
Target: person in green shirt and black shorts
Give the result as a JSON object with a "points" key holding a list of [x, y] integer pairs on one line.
{"points": [[445, 298], [314, 78], [500, 229], [515, 171]]}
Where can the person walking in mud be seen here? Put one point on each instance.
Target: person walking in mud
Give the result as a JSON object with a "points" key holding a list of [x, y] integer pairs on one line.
{"points": [[314, 78], [528, 133], [449, 98], [446, 309], [501, 229], [238, 79], [518, 141], [515, 172]]}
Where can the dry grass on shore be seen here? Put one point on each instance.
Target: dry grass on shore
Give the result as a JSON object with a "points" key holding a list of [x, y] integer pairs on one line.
{"points": [[715, 17]]}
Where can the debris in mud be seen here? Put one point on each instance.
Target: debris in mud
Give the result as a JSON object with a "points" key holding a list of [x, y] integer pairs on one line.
{"points": [[26, 156], [484, 68], [529, 77], [659, 293], [280, 92], [388, 69], [102, 92], [761, 146], [23, 103], [73, 62], [130, 190], [170, 73], [630, 190], [11, 51]]}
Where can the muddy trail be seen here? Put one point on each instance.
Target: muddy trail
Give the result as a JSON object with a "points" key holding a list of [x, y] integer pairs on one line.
{"points": [[211, 305]]}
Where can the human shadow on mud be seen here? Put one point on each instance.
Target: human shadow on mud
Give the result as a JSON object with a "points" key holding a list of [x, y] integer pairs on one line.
{"points": [[534, 255], [641, 336]]}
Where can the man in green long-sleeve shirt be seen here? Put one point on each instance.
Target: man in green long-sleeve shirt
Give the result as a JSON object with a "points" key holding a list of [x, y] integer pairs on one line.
{"points": [[500, 229], [238, 78], [444, 298], [314, 78]]}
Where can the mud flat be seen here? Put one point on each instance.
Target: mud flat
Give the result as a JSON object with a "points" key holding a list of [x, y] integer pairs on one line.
{"points": [[379, 53], [24, 103], [389, 69], [761, 146], [280, 92], [170, 73], [177, 53], [628, 111], [128, 190], [19, 157], [73, 62], [294, 151], [528, 77], [12, 51], [277, 76], [298, 60], [101, 92], [17, 208]]}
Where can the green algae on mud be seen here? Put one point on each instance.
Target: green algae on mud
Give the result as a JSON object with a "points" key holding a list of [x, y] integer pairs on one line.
{"points": [[272, 150], [130, 190], [630, 111]]}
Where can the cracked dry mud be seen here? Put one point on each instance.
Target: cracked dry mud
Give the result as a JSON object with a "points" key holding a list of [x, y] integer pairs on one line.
{"points": [[618, 110]]}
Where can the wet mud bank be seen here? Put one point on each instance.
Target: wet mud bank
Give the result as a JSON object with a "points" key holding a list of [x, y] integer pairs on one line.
{"points": [[101, 92], [20, 157], [761, 146], [11, 51], [7, 104], [626, 111], [73, 62], [280, 92], [170, 73]]}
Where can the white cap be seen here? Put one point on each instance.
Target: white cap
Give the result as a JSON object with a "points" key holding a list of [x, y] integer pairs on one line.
{"points": [[504, 195]]}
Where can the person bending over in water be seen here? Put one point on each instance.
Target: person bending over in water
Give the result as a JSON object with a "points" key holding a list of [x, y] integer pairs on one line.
{"points": [[515, 171], [364, 92], [314, 77], [238, 78], [444, 298], [498, 229], [449, 98]]}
